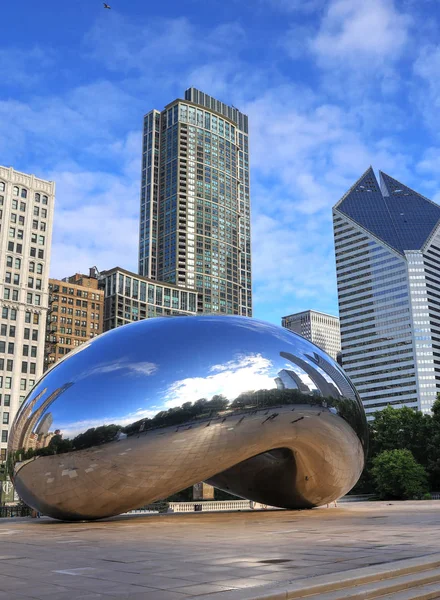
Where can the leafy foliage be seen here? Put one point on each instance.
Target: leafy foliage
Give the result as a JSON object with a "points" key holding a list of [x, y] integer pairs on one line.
{"points": [[397, 475], [404, 429]]}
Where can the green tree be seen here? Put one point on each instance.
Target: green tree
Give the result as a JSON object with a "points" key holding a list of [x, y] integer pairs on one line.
{"points": [[433, 447], [401, 428], [397, 475]]}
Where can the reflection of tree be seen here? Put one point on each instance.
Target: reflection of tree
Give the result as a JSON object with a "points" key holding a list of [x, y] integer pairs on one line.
{"points": [[326, 396], [181, 414], [95, 436]]}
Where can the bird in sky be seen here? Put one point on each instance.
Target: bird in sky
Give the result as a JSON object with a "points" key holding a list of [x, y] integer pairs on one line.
{"points": [[106, 5]]}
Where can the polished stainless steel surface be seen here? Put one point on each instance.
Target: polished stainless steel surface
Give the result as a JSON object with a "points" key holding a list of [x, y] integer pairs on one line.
{"points": [[150, 408]]}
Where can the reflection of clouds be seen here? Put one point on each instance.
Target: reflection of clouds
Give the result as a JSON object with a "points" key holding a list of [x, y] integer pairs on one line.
{"points": [[73, 429], [245, 373], [124, 364]]}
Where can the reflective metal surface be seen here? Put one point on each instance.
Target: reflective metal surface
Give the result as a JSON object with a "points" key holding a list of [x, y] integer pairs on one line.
{"points": [[150, 408]]}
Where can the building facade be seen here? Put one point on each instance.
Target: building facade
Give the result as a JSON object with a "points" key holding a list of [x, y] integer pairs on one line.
{"points": [[387, 245], [320, 328], [26, 216], [76, 314], [195, 202], [130, 297]]}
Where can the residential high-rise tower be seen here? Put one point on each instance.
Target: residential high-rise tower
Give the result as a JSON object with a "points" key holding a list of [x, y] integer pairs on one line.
{"points": [[26, 215], [387, 241], [195, 202]]}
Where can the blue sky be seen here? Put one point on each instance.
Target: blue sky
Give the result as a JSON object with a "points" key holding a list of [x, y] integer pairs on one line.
{"points": [[330, 86]]}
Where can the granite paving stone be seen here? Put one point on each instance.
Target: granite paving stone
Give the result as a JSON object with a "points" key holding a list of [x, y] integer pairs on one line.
{"points": [[180, 556]]}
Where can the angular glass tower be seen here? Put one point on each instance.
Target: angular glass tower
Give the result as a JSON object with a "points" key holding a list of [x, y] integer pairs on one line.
{"points": [[387, 245], [195, 202]]}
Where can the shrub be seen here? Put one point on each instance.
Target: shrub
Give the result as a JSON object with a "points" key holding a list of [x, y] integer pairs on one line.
{"points": [[397, 475]]}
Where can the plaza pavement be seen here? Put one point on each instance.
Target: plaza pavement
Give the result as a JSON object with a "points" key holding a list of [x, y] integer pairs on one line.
{"points": [[178, 556]]}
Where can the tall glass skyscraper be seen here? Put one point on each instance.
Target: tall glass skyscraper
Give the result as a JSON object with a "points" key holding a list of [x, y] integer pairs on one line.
{"points": [[387, 241], [195, 202]]}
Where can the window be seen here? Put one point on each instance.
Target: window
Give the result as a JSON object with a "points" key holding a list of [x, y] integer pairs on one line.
{"points": [[23, 384], [12, 232], [16, 279], [3, 329], [9, 261], [5, 312], [27, 333], [22, 206], [35, 335], [15, 191], [41, 239], [29, 298], [12, 331], [4, 436], [36, 211], [10, 347], [6, 293], [32, 368], [36, 318], [13, 314], [8, 277], [34, 351], [41, 254], [2, 186], [31, 267], [17, 263], [44, 213], [39, 268], [35, 224], [44, 199], [15, 295], [30, 282], [9, 365], [8, 383], [37, 197], [25, 350], [23, 193], [7, 400], [24, 366]]}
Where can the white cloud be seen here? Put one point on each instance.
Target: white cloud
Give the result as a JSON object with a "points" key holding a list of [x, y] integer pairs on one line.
{"points": [[242, 374], [24, 68], [362, 33], [294, 7], [427, 69]]}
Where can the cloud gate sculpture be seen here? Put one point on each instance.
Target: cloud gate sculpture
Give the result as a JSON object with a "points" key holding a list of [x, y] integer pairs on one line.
{"points": [[148, 409]]}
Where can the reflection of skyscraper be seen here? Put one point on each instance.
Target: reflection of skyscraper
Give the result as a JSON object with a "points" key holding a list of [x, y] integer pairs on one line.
{"points": [[44, 425], [195, 203], [28, 429], [327, 389], [387, 240], [339, 379], [288, 379]]}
